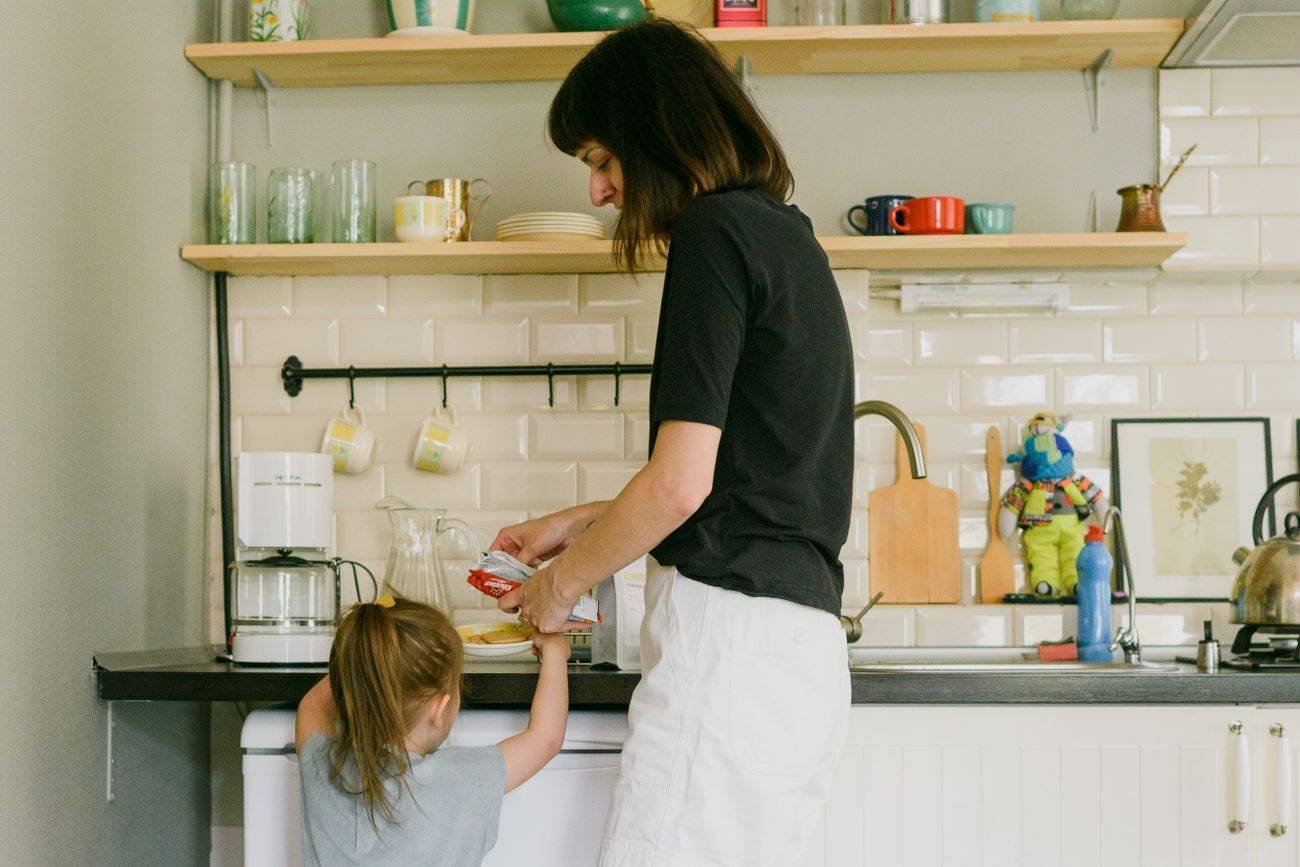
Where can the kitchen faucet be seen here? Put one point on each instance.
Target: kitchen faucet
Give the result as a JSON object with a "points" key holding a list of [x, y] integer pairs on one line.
{"points": [[1127, 636]]}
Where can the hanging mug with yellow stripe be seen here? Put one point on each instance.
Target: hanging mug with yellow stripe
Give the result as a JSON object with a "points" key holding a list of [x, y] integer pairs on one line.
{"points": [[442, 444], [430, 17]]}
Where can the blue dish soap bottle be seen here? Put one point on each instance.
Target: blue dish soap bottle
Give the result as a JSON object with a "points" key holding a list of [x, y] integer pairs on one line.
{"points": [[1095, 565]]}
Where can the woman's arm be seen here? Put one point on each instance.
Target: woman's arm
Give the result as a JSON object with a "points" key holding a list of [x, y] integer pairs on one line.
{"points": [[528, 752], [658, 500], [316, 713], [543, 538]]}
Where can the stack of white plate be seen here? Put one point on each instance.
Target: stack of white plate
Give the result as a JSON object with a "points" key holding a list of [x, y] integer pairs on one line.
{"points": [[550, 226]]}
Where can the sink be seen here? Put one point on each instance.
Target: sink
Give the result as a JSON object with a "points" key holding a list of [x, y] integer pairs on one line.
{"points": [[984, 660]]}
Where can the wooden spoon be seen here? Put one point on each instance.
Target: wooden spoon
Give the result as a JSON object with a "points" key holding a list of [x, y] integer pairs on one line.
{"points": [[997, 570]]}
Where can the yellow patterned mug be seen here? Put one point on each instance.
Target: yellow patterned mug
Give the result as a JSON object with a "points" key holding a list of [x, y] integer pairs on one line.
{"points": [[425, 218], [348, 441], [442, 445]]}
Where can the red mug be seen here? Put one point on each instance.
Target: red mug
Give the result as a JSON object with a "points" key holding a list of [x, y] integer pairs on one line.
{"points": [[929, 215]]}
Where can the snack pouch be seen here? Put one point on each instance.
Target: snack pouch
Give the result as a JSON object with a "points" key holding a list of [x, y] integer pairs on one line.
{"points": [[497, 573]]}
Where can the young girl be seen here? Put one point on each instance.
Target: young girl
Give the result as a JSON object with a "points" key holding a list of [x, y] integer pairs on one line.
{"points": [[377, 786]]}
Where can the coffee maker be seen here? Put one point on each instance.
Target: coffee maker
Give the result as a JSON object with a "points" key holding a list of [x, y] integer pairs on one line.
{"points": [[284, 590]]}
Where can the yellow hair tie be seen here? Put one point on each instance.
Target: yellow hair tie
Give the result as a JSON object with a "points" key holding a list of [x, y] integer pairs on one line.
{"points": [[386, 601]]}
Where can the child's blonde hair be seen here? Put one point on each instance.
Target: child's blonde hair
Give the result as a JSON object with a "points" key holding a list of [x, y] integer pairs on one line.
{"points": [[387, 663]]}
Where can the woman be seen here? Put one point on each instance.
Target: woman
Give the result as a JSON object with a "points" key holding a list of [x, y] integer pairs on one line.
{"points": [[744, 503]]}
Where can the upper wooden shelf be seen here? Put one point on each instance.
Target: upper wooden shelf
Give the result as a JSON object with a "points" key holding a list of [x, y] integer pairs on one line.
{"points": [[974, 252], [1137, 43]]}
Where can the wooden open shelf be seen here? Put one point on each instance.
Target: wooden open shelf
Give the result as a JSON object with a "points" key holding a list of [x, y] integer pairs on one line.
{"points": [[1137, 43], [1085, 250]]}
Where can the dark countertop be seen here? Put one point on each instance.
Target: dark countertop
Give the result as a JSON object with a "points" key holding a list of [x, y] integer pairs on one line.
{"points": [[196, 674]]}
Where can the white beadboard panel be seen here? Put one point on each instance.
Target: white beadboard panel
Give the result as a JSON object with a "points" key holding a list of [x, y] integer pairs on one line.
{"points": [[603, 481], [1158, 770], [963, 626], [497, 436], [641, 333], [433, 490], [1055, 341], [1254, 92], [922, 831], [1219, 141], [1081, 832], [359, 490], [1004, 388], [1215, 242], [1184, 93], [961, 342], [887, 343], [422, 394], [482, 341], [1000, 831], [533, 485], [509, 394], [1279, 141], [1273, 386], [395, 434], [590, 338], [637, 444], [1120, 806], [282, 433], [950, 437], [916, 391], [1173, 296], [597, 393], [1264, 297], [1245, 339], [1108, 299], [1264, 190], [620, 293], [257, 390], [960, 805], [1040, 783], [883, 809], [435, 294], [1110, 386], [1199, 386], [577, 436], [363, 534], [1188, 194], [340, 296], [386, 341], [530, 293], [270, 341], [886, 625], [1279, 241], [252, 297], [1135, 340]]}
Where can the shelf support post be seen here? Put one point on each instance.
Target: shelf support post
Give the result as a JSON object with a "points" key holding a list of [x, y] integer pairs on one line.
{"points": [[270, 90], [1093, 81]]}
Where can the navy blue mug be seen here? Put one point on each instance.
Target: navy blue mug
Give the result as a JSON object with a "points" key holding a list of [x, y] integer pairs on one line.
{"points": [[876, 212]]}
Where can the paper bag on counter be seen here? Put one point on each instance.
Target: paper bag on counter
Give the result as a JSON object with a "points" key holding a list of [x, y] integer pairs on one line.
{"points": [[621, 599]]}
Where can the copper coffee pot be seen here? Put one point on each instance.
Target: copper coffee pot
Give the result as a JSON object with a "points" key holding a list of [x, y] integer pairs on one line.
{"points": [[1140, 203]]}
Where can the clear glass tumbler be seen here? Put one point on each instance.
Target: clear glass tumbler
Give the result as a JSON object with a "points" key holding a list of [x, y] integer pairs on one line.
{"points": [[819, 13], [232, 203], [293, 205], [352, 191]]}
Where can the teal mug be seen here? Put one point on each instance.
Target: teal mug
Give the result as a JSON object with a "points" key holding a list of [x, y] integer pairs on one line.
{"points": [[989, 218]]}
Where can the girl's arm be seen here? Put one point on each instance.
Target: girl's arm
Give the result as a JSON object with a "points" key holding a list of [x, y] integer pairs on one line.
{"points": [[658, 500], [528, 752], [316, 712]]}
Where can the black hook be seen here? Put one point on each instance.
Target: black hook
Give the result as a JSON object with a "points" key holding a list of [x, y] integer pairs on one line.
{"points": [[352, 394], [617, 373], [550, 384], [444, 386]]}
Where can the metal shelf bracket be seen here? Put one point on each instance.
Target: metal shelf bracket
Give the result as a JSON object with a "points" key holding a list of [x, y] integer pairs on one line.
{"points": [[270, 91], [1093, 80]]}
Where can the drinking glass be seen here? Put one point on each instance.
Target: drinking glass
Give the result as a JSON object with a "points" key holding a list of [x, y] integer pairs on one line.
{"points": [[1098, 10], [352, 190], [293, 197], [232, 203], [819, 13]]}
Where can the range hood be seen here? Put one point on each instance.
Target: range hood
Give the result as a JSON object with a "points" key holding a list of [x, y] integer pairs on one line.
{"points": [[1239, 33]]}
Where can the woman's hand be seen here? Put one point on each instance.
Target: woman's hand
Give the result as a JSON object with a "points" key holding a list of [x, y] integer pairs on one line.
{"points": [[541, 538], [541, 603]]}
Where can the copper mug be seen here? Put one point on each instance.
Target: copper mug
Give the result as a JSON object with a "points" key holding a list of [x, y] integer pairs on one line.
{"points": [[1140, 209], [459, 195]]}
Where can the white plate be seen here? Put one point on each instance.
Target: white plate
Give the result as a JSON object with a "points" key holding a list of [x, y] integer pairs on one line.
{"points": [[490, 650], [552, 221], [428, 30]]}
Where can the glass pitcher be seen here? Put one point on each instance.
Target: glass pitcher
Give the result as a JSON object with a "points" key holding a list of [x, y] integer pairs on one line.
{"points": [[415, 567]]}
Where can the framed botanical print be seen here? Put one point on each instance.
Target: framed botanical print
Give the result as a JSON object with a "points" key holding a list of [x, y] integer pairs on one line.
{"points": [[1187, 488]]}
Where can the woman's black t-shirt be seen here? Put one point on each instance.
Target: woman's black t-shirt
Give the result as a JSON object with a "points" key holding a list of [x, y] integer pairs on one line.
{"points": [[753, 340]]}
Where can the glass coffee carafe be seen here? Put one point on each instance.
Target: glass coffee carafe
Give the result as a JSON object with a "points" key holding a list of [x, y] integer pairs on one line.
{"points": [[415, 562]]}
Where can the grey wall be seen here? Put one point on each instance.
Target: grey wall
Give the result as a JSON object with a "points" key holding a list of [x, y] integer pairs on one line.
{"points": [[103, 359]]}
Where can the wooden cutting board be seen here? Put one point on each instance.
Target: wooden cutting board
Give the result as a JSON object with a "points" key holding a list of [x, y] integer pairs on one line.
{"points": [[997, 570], [912, 537]]}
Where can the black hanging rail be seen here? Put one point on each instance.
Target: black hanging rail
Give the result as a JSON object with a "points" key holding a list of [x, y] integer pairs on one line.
{"points": [[292, 373]]}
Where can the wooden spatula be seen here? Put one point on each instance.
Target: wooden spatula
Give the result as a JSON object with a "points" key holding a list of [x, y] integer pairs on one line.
{"points": [[997, 570]]}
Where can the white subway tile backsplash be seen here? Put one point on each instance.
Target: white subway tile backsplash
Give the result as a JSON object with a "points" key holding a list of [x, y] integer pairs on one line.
{"points": [[1173, 297], [282, 433], [1184, 92], [577, 340], [494, 437], [1215, 242], [1087, 434], [618, 293], [597, 393], [641, 334], [855, 547], [949, 437], [1111, 386], [1268, 297], [916, 391], [533, 485], [395, 434], [386, 341], [1279, 141], [598, 481], [271, 341], [637, 436], [887, 343], [435, 294], [252, 297], [1279, 241], [963, 626], [525, 394], [1219, 141], [1108, 299], [530, 293], [1188, 194], [1193, 387], [360, 490], [421, 394], [1273, 386], [961, 342], [331, 395], [482, 341], [1245, 339], [433, 490], [362, 534], [340, 296], [886, 625], [973, 483], [257, 390], [1037, 623], [1136, 340], [1005, 388], [1246, 190], [1254, 92], [856, 583], [577, 435], [1055, 341]]}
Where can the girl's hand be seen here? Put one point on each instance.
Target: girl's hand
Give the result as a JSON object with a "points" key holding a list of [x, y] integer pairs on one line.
{"points": [[551, 644], [541, 603], [539, 539]]}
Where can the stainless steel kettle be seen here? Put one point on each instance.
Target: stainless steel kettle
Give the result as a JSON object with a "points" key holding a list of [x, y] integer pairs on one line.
{"points": [[1267, 589]]}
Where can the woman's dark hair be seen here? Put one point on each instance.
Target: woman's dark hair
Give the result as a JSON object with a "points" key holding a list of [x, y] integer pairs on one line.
{"points": [[659, 98]]}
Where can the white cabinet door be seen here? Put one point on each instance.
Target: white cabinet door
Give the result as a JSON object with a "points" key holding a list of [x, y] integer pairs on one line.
{"points": [[1273, 822], [1038, 786]]}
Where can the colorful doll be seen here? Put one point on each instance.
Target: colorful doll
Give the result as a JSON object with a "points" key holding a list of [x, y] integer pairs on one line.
{"points": [[1051, 503]]}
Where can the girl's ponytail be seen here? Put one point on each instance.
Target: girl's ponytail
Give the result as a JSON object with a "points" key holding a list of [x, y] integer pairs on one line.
{"points": [[386, 664]]}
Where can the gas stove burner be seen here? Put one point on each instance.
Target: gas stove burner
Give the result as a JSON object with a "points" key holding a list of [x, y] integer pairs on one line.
{"points": [[1281, 652], [1284, 643]]}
